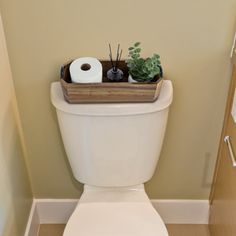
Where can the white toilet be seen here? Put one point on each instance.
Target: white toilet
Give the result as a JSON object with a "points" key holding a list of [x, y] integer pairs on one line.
{"points": [[113, 149]]}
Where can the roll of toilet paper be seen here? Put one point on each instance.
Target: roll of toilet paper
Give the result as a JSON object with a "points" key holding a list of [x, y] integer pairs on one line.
{"points": [[86, 70]]}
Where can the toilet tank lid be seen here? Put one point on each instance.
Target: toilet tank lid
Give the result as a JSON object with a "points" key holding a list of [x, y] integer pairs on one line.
{"points": [[112, 109]]}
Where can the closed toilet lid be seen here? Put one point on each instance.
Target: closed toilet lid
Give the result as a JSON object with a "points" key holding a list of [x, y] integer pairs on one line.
{"points": [[115, 219]]}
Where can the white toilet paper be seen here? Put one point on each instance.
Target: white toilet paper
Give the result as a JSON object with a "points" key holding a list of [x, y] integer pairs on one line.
{"points": [[86, 70]]}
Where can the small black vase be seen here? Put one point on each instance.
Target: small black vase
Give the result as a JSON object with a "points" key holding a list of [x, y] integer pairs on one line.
{"points": [[115, 75]]}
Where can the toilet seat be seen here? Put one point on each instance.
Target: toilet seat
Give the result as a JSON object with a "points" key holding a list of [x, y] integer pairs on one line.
{"points": [[115, 212]]}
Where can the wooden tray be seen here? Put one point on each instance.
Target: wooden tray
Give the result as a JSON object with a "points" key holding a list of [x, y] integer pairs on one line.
{"points": [[108, 92]]}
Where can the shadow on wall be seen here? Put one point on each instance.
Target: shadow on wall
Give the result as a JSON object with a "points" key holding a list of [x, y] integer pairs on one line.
{"points": [[206, 179]]}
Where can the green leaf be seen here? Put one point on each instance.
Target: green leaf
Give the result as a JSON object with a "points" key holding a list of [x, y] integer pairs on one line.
{"points": [[137, 44], [138, 50], [156, 56]]}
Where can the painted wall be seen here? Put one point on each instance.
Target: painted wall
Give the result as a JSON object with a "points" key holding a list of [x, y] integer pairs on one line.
{"points": [[15, 191], [193, 39]]}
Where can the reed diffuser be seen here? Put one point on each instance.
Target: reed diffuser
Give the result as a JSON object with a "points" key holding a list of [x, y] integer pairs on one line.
{"points": [[115, 74]]}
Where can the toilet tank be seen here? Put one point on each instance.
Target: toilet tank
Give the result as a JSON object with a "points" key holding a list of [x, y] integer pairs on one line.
{"points": [[113, 145]]}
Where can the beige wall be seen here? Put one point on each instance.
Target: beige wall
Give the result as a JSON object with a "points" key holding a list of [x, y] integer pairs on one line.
{"points": [[15, 192], [193, 39]]}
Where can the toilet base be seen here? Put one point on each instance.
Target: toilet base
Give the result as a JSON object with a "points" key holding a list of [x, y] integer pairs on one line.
{"points": [[124, 211]]}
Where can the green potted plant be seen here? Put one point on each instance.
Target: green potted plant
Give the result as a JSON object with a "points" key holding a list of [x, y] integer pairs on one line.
{"points": [[140, 69]]}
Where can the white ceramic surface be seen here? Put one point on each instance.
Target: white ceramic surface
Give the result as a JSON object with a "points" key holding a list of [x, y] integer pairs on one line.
{"points": [[131, 80], [113, 144], [115, 212]]}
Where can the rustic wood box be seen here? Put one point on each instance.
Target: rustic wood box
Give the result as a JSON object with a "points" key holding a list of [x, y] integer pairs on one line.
{"points": [[108, 92]]}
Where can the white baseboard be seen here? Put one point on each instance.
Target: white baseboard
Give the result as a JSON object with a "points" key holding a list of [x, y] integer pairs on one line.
{"points": [[55, 211], [183, 211], [32, 227], [58, 211]]}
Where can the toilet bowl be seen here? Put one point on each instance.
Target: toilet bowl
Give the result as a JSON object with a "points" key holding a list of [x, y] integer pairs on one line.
{"points": [[113, 149], [121, 211]]}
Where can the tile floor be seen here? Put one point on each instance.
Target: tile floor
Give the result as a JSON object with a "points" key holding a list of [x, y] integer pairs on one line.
{"points": [[174, 230]]}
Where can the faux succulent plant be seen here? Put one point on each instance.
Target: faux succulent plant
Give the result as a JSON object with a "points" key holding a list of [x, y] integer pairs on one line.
{"points": [[143, 70]]}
